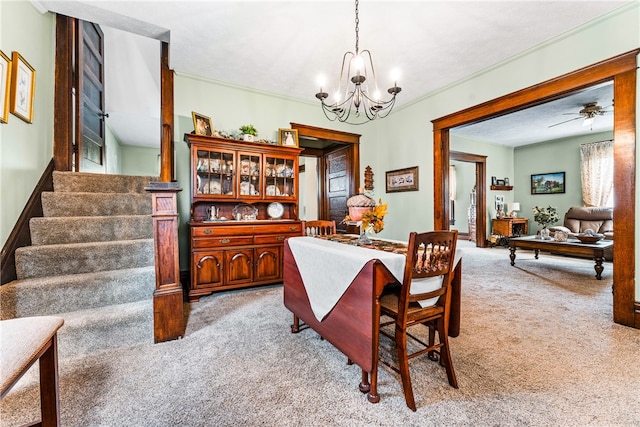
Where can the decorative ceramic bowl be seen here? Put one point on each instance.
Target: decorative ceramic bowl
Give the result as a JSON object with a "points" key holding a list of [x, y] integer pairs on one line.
{"points": [[356, 212], [589, 238]]}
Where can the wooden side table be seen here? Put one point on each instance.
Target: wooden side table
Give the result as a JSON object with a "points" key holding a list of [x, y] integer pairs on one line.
{"points": [[511, 227]]}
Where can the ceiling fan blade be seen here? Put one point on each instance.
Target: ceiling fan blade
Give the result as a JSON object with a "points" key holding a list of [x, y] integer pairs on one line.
{"points": [[566, 121]]}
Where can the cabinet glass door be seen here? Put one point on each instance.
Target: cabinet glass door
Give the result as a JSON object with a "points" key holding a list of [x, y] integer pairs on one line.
{"points": [[215, 173], [279, 172], [249, 174]]}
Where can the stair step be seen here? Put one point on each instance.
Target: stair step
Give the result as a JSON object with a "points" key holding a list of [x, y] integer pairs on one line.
{"points": [[45, 296], [95, 204], [106, 328], [60, 230], [73, 258], [100, 183]]}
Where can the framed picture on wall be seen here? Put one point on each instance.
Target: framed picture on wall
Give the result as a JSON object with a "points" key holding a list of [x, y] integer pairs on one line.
{"points": [[5, 84], [547, 183], [23, 85], [402, 180]]}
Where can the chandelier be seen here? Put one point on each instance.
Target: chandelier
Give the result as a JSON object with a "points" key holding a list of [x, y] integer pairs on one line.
{"points": [[360, 101]]}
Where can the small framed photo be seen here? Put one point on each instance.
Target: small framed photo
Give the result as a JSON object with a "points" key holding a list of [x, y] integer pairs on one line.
{"points": [[506, 181], [494, 180], [288, 137], [547, 183], [202, 124], [23, 85], [402, 180], [5, 85], [500, 182]]}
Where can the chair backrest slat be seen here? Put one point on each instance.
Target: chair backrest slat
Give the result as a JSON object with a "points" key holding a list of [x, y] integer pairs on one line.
{"points": [[318, 228], [429, 255]]}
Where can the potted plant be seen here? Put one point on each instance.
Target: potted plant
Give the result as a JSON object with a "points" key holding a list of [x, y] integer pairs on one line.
{"points": [[249, 132]]}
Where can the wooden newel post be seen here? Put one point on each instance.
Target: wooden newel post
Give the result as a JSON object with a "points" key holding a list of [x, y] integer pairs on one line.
{"points": [[168, 315]]}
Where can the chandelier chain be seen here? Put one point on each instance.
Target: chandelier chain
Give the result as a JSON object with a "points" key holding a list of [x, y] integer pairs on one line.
{"points": [[357, 28]]}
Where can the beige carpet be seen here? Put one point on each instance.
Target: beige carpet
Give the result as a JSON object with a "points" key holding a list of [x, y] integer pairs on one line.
{"points": [[538, 347]]}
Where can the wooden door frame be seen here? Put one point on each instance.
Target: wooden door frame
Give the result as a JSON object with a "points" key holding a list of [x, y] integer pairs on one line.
{"points": [[63, 105], [481, 192], [352, 140], [621, 70]]}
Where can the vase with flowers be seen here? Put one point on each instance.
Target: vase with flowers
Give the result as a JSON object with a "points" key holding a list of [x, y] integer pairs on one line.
{"points": [[545, 217], [370, 221]]}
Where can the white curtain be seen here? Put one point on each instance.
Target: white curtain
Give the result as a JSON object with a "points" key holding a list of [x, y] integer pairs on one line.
{"points": [[596, 166]]}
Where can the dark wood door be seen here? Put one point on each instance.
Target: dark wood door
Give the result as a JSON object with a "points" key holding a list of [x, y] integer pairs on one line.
{"points": [[337, 180], [268, 263], [90, 98]]}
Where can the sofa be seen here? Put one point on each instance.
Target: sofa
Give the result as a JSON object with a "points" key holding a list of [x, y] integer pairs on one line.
{"points": [[580, 218]]}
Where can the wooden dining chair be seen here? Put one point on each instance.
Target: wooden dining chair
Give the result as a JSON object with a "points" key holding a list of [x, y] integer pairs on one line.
{"points": [[318, 227], [423, 299]]}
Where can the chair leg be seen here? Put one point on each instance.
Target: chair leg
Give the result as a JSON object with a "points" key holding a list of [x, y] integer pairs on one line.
{"points": [[295, 328], [445, 354], [49, 397], [432, 339], [403, 362]]}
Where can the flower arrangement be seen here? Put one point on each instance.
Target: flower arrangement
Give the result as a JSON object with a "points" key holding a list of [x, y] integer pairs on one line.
{"points": [[375, 218], [545, 216]]}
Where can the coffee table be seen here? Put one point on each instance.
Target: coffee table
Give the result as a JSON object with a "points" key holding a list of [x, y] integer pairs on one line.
{"points": [[570, 247]]}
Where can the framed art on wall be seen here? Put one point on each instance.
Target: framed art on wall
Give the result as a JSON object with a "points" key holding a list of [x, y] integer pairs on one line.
{"points": [[288, 137], [402, 180], [23, 85], [547, 183], [5, 84]]}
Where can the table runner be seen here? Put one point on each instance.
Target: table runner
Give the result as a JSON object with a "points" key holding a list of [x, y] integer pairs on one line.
{"points": [[328, 267]]}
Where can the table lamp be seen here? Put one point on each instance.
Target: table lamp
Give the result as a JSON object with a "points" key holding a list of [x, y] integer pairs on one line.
{"points": [[513, 208]]}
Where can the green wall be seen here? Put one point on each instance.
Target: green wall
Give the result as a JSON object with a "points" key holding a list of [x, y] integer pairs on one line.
{"points": [[142, 161], [26, 149]]}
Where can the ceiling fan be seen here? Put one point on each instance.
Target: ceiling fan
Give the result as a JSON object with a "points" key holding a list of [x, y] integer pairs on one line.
{"points": [[589, 113]]}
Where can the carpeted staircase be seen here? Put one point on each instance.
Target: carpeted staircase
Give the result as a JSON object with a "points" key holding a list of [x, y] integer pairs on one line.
{"points": [[91, 262]]}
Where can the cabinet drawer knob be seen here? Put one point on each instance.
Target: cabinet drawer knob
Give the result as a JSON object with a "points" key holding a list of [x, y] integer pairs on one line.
{"points": [[207, 231], [224, 241], [280, 238], [293, 228]]}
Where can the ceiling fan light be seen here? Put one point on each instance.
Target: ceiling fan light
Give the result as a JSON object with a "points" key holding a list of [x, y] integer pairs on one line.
{"points": [[588, 121]]}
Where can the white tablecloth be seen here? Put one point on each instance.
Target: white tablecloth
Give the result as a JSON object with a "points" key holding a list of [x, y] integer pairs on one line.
{"points": [[327, 268]]}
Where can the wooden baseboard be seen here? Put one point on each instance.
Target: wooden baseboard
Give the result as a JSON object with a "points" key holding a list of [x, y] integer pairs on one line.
{"points": [[21, 234]]}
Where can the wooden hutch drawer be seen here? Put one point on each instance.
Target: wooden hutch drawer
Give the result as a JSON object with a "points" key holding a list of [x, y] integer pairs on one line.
{"points": [[215, 231], [292, 228], [273, 238], [221, 241]]}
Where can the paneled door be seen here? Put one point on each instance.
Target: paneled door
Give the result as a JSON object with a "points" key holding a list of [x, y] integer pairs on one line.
{"points": [[90, 98], [337, 184]]}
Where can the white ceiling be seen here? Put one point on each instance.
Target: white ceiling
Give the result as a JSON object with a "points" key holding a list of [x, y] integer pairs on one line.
{"points": [[282, 47]]}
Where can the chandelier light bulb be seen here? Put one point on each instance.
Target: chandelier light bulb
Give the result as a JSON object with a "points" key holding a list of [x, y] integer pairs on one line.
{"points": [[358, 64]]}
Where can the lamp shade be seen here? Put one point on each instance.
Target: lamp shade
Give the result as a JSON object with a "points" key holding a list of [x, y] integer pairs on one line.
{"points": [[514, 207]]}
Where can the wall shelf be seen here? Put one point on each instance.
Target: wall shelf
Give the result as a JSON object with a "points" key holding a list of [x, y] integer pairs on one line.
{"points": [[502, 187]]}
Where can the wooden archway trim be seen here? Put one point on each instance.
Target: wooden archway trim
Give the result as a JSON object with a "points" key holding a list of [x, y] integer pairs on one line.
{"points": [[481, 192], [621, 70]]}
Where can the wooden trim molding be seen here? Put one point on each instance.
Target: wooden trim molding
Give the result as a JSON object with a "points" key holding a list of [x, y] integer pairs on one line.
{"points": [[621, 70], [21, 234], [481, 193], [63, 105]]}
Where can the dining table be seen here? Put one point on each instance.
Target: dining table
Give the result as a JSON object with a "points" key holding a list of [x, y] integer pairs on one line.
{"points": [[333, 285]]}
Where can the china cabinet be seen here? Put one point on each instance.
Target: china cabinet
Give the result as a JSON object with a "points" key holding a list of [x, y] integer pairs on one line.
{"points": [[244, 204]]}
